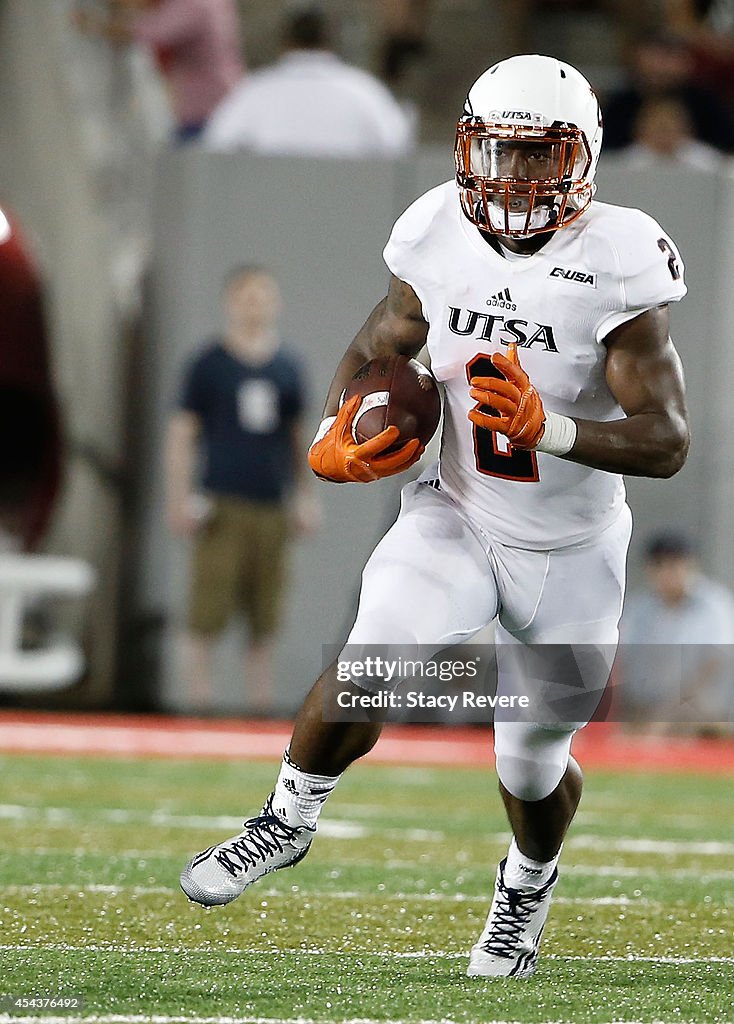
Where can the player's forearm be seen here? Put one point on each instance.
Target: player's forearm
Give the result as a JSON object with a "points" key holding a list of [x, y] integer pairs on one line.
{"points": [[645, 444], [383, 334], [358, 353], [350, 362]]}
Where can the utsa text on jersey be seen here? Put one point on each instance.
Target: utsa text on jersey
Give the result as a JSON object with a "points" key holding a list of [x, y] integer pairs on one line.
{"points": [[523, 332]]}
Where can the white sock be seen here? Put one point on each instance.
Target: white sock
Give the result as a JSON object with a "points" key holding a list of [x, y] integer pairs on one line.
{"points": [[298, 796], [525, 874]]}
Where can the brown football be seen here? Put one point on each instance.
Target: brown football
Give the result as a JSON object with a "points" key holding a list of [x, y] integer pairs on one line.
{"points": [[395, 391]]}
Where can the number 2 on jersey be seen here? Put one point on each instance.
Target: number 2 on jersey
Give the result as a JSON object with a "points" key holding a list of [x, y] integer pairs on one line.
{"points": [[666, 249], [491, 459]]}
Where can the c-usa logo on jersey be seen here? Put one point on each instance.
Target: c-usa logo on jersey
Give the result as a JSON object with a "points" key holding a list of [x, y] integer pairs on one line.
{"points": [[577, 276]]}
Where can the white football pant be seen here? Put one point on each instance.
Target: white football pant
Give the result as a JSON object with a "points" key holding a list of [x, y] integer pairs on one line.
{"points": [[435, 579]]}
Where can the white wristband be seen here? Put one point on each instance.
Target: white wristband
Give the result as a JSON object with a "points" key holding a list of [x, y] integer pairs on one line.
{"points": [[559, 435], [323, 430]]}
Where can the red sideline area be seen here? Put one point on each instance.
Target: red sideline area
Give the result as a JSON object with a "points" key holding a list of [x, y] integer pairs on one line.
{"points": [[600, 746]]}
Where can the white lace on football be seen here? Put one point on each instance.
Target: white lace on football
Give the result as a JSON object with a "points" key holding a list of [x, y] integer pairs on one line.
{"points": [[323, 430]]}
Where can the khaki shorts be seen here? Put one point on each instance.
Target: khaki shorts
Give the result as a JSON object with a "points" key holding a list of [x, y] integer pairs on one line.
{"points": [[238, 564]]}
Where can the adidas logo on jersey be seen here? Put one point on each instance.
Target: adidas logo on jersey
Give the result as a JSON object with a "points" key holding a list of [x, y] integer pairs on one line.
{"points": [[502, 300], [501, 329], [577, 276]]}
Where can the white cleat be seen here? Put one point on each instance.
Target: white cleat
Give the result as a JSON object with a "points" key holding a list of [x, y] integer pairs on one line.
{"points": [[508, 946], [222, 873]]}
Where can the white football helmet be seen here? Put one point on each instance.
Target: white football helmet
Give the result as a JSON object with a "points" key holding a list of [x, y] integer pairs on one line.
{"points": [[527, 146]]}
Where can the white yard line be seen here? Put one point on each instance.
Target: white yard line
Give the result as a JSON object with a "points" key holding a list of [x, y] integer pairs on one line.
{"points": [[630, 844], [65, 816], [632, 871], [148, 1019], [581, 870], [323, 894], [85, 851], [419, 954], [341, 829], [92, 887], [182, 1019]]}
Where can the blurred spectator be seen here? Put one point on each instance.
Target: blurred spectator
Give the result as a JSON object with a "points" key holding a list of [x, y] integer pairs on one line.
{"points": [[625, 20], [196, 44], [708, 29], [240, 408], [677, 670], [30, 452], [663, 136], [404, 43], [310, 103], [663, 66]]}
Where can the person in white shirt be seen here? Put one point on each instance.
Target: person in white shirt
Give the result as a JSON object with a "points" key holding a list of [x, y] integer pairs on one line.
{"points": [[310, 103], [676, 636], [664, 137], [524, 521]]}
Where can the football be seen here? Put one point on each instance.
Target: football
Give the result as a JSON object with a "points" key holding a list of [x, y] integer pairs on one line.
{"points": [[395, 391]]}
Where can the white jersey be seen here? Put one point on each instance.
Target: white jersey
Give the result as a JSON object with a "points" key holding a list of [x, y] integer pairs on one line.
{"points": [[558, 305]]}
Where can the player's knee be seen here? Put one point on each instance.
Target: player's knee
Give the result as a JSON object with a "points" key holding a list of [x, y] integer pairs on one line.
{"points": [[387, 644], [386, 617], [531, 762], [376, 667], [528, 780], [383, 630]]}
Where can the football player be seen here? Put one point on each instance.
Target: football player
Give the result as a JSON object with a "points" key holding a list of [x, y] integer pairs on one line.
{"points": [[525, 520]]}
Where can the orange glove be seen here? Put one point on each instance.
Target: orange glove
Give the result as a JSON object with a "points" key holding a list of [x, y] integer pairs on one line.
{"points": [[519, 411], [337, 456]]}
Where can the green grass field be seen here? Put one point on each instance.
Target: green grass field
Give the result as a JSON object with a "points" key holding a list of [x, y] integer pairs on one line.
{"points": [[376, 923]]}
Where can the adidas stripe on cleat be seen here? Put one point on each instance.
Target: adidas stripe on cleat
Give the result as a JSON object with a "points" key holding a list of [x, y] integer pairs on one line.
{"points": [[508, 946], [223, 872]]}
